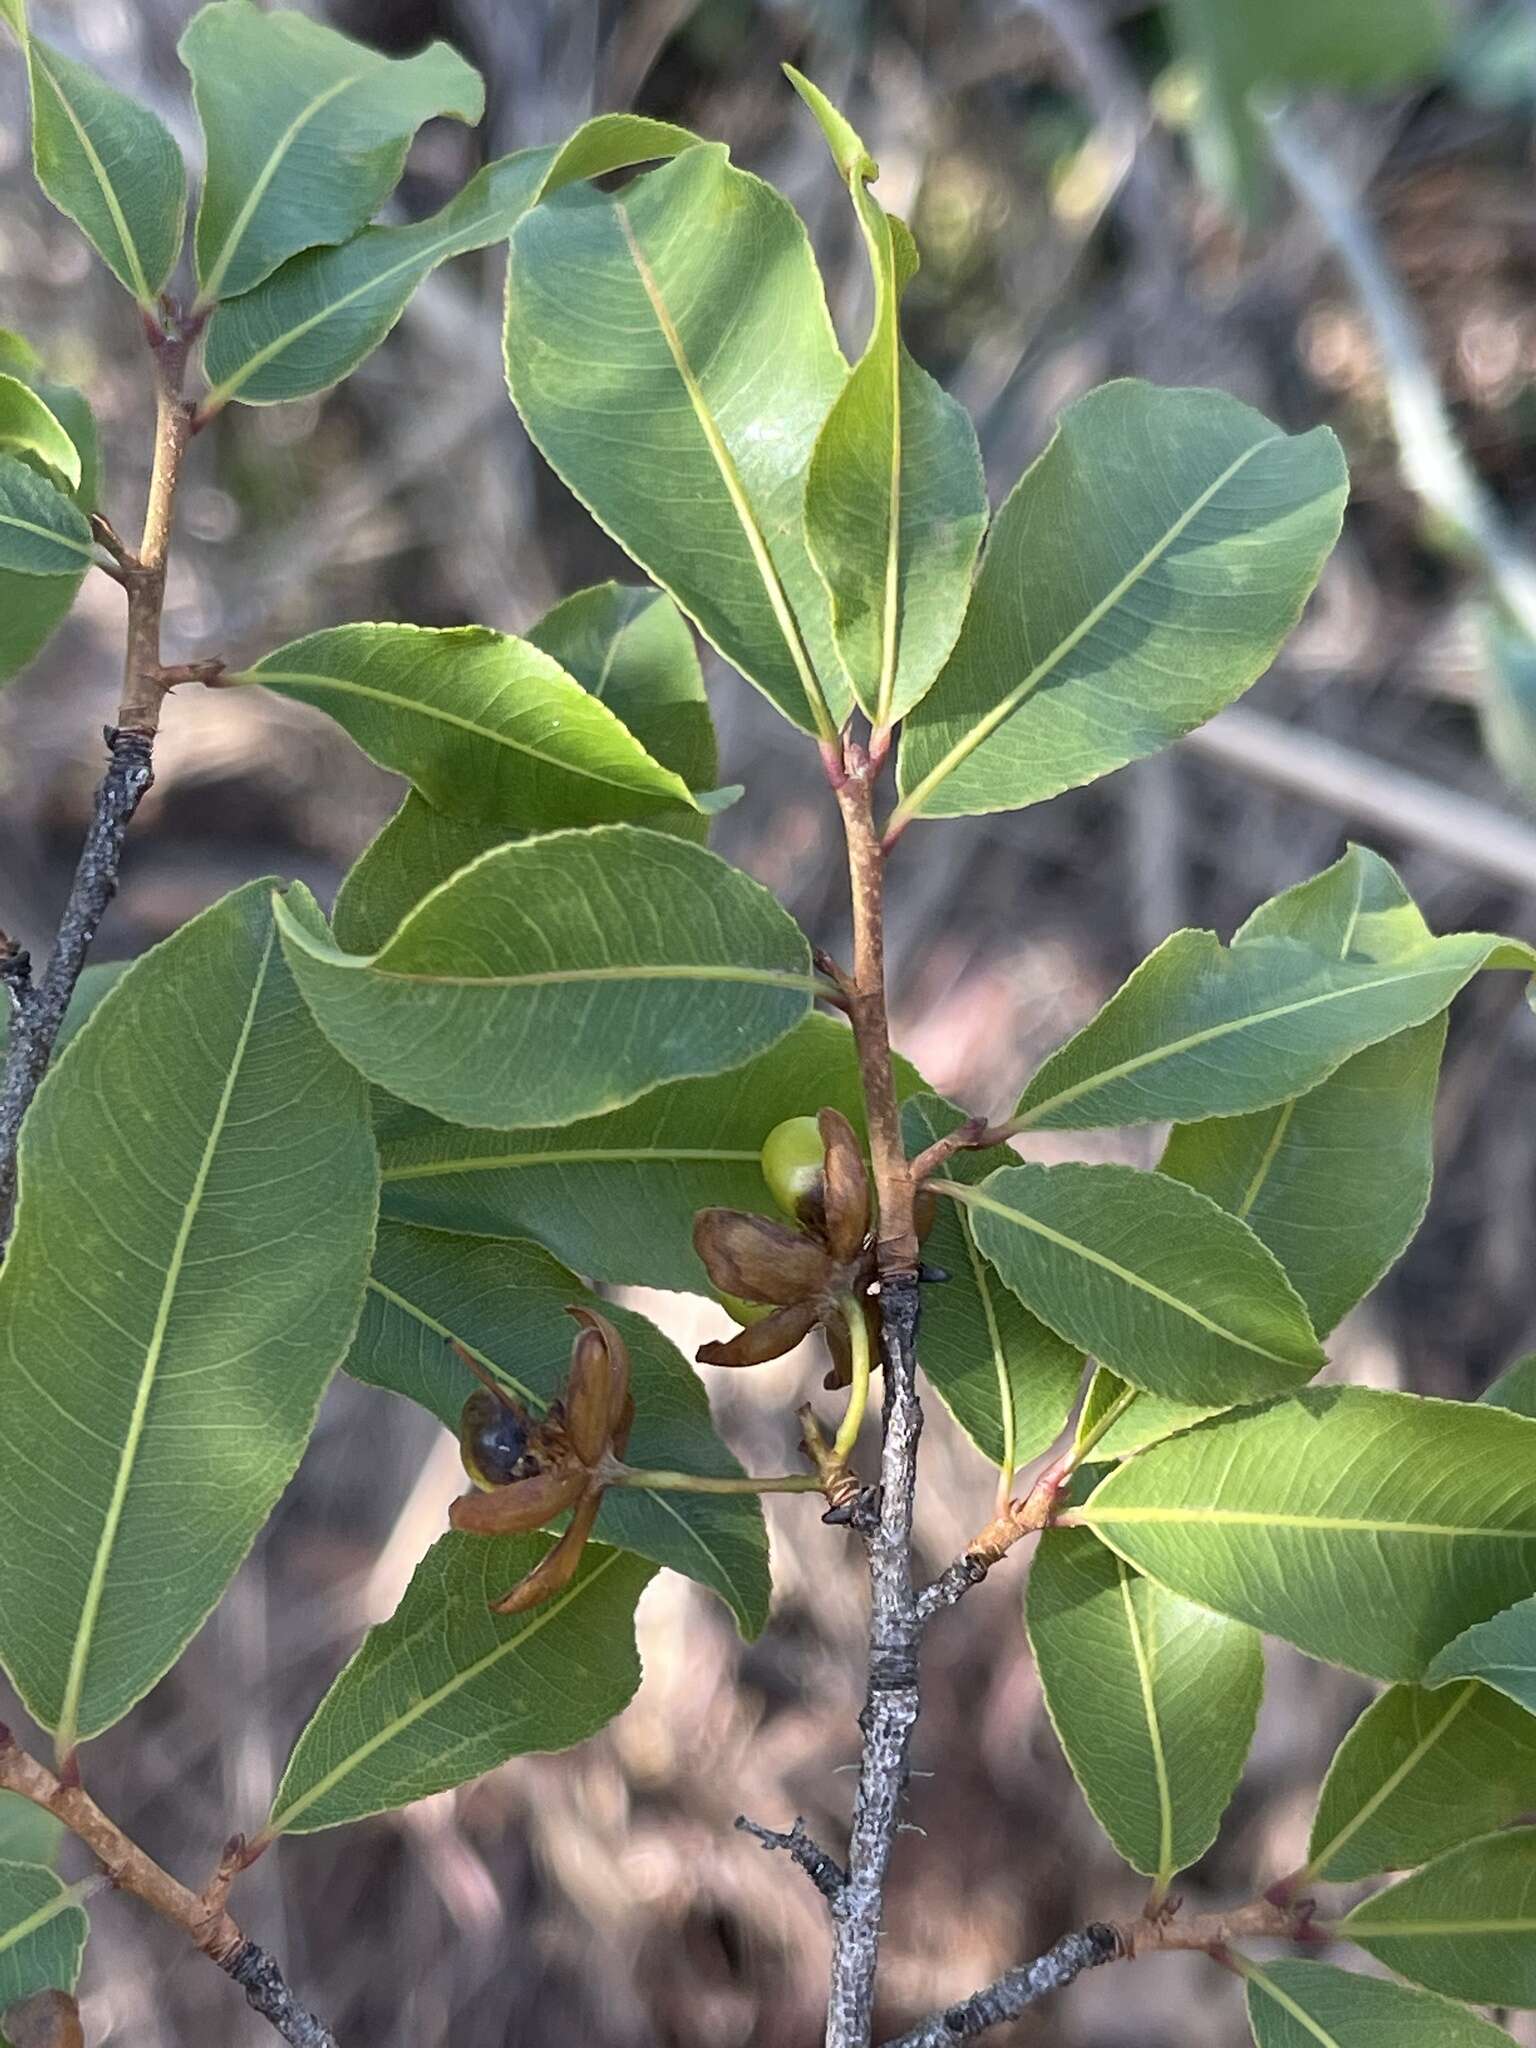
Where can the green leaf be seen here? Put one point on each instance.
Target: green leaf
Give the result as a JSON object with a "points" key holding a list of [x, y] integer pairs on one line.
{"points": [[677, 329], [1514, 1388], [560, 977], [43, 1930], [314, 319], [1200, 1031], [1313, 2005], [1464, 1925], [1419, 1772], [505, 1301], [187, 1269], [615, 1195], [106, 162], [1366, 1528], [631, 648], [1153, 1699], [97, 978], [306, 133], [484, 725], [1501, 1652], [895, 502], [1008, 1381], [1142, 575], [42, 533], [445, 1690], [27, 423], [1169, 1291], [417, 848], [28, 1833]]}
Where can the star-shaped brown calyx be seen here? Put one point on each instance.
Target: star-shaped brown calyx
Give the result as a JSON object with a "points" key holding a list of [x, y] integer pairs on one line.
{"points": [[803, 1278], [529, 1471]]}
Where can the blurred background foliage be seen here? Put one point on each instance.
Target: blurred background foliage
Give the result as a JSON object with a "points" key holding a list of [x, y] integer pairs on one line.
{"points": [[1093, 194]]}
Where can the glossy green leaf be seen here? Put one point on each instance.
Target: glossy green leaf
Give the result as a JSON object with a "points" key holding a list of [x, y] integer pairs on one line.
{"points": [[1464, 1925], [1514, 1388], [27, 424], [1419, 1772], [560, 977], [43, 1931], [1142, 574], [33, 607], [445, 1690], [484, 725], [1008, 1381], [28, 1833], [1168, 1290], [677, 331], [106, 162], [416, 849], [1154, 1700], [1501, 1652], [1200, 1030], [615, 1195], [505, 1301], [631, 648], [895, 502], [306, 133], [1313, 2005], [1367, 1528], [42, 532], [314, 319], [186, 1271]]}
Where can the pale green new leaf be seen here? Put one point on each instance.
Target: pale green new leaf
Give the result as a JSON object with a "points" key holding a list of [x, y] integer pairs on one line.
{"points": [[615, 1196], [28, 424], [505, 1301], [1366, 1528], [560, 977], [669, 349], [106, 162], [1154, 1700], [445, 1690], [1142, 574], [1514, 1388], [186, 1271], [1313, 2005], [1464, 1925], [43, 1930], [1008, 1381], [484, 725], [1419, 1772], [306, 133], [314, 319], [1169, 1291], [42, 532], [1501, 1652], [28, 1833], [895, 502], [631, 647], [418, 848]]}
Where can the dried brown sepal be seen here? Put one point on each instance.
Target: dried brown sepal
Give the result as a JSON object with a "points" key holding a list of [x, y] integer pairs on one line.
{"points": [[524, 1505], [48, 2019], [555, 1570], [760, 1260], [846, 1223], [588, 1418], [760, 1341]]}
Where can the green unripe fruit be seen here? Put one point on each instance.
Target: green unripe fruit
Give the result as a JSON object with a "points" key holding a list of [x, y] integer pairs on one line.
{"points": [[744, 1312], [795, 1168]]}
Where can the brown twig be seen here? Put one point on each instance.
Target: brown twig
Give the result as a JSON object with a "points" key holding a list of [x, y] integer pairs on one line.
{"points": [[201, 1916]]}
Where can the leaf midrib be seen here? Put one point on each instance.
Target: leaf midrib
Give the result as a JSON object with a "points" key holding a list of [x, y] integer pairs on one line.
{"points": [[1251, 1020], [1111, 1516], [283, 1819], [759, 977], [1141, 1656], [108, 192], [61, 1902], [674, 791], [1317, 1865], [587, 1156], [90, 1610], [911, 806]]}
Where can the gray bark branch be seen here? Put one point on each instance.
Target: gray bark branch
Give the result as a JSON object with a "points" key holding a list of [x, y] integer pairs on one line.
{"points": [[1015, 1991]]}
